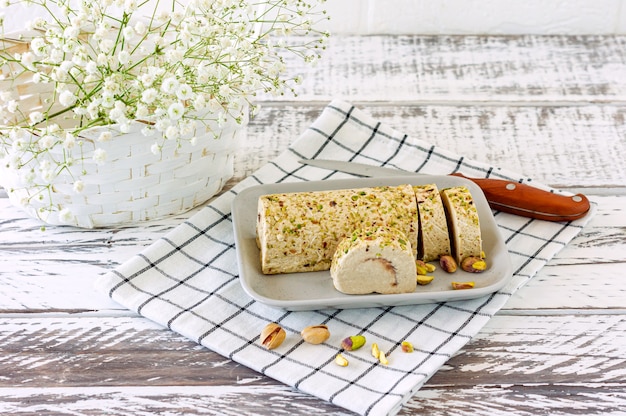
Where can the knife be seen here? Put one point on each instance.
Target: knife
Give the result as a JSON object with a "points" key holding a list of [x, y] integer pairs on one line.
{"points": [[502, 195]]}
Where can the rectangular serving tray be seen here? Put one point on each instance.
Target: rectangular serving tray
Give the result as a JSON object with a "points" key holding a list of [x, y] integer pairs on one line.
{"points": [[315, 290]]}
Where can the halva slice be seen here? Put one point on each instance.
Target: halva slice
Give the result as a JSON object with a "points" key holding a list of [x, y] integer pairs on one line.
{"points": [[299, 232], [374, 261], [434, 238], [463, 222]]}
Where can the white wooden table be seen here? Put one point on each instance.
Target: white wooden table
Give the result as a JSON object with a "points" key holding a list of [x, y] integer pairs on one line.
{"points": [[553, 108]]}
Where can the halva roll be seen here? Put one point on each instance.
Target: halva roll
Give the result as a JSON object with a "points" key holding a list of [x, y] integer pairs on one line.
{"points": [[299, 232], [434, 239], [463, 222], [377, 260]]}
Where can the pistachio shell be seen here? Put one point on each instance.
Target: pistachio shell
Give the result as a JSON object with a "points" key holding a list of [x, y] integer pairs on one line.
{"points": [[448, 263], [315, 334], [473, 264], [272, 336]]}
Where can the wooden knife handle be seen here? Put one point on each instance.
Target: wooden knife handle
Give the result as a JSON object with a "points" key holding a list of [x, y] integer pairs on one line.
{"points": [[528, 201]]}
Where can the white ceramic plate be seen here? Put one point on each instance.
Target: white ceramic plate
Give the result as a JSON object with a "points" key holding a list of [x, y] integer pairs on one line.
{"points": [[315, 290]]}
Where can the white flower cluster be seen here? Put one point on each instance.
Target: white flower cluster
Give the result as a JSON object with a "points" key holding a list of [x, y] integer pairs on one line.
{"points": [[191, 66]]}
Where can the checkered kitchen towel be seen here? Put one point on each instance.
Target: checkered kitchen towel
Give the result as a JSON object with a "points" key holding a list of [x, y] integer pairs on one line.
{"points": [[188, 279]]}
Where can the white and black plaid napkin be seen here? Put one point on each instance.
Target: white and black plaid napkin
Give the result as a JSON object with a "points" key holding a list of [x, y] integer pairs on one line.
{"points": [[188, 279]]}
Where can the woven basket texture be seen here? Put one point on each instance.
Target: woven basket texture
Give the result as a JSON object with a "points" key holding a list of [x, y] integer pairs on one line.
{"points": [[134, 184]]}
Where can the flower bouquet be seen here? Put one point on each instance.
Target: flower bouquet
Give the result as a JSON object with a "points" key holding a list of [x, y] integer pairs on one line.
{"points": [[118, 111]]}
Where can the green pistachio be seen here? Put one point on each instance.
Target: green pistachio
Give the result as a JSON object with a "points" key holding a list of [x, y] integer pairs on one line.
{"points": [[353, 343]]}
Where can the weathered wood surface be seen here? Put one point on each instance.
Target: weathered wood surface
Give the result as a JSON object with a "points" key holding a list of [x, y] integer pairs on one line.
{"points": [[553, 108], [128, 361], [577, 146]]}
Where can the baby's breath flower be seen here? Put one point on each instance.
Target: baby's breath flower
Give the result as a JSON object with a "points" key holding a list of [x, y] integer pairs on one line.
{"points": [[46, 142], [149, 95], [46, 175], [79, 186], [123, 57], [71, 32], [128, 33], [142, 111], [108, 100], [12, 106], [66, 216], [91, 67], [100, 156], [140, 28], [38, 46], [105, 136], [147, 79], [35, 117], [67, 98], [184, 92], [27, 59], [180, 70], [170, 85], [176, 111], [172, 132], [147, 131], [70, 141]]}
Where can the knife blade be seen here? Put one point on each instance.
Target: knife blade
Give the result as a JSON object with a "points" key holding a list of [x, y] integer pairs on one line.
{"points": [[502, 195]]}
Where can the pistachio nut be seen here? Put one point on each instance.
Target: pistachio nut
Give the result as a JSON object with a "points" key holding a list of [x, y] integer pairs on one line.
{"points": [[382, 358], [407, 346], [473, 264], [315, 334], [423, 267], [462, 285], [340, 360], [379, 355], [424, 280], [272, 336], [420, 266], [353, 343], [375, 350], [448, 263]]}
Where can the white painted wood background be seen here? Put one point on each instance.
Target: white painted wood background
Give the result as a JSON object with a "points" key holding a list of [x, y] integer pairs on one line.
{"points": [[552, 107], [454, 17]]}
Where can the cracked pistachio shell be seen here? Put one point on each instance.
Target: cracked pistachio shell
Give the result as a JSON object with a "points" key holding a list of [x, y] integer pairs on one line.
{"points": [[272, 336]]}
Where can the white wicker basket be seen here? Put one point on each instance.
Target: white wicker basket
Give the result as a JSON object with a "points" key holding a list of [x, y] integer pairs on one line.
{"points": [[134, 184]]}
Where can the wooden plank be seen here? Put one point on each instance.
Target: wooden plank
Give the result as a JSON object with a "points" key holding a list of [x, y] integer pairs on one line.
{"points": [[236, 400], [526, 139], [580, 357], [434, 69], [520, 399], [492, 400]]}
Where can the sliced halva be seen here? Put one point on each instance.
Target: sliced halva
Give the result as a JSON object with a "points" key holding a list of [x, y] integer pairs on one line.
{"points": [[434, 238], [463, 222], [299, 232], [377, 260]]}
